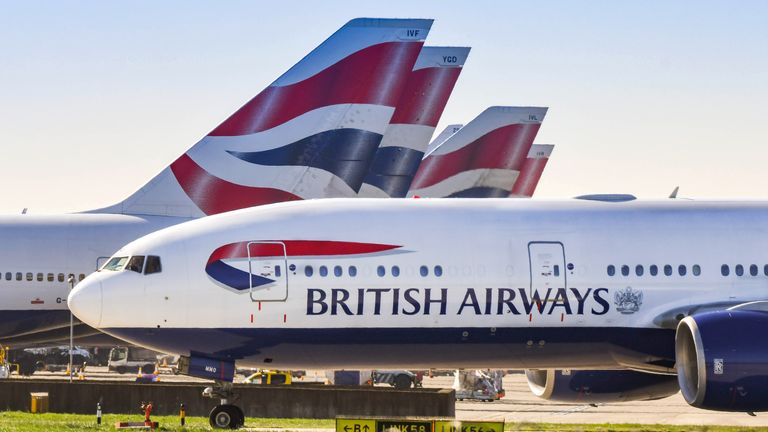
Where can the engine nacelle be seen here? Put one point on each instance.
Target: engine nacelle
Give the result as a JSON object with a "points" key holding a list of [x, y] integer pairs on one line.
{"points": [[722, 360], [599, 386]]}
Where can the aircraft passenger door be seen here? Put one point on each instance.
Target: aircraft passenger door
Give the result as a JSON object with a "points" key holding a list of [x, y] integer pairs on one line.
{"points": [[268, 267], [547, 261]]}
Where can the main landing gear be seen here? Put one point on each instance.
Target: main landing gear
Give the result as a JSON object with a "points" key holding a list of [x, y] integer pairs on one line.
{"points": [[225, 415]]}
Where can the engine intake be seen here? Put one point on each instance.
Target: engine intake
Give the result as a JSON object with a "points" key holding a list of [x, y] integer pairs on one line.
{"points": [[599, 386], [722, 360]]}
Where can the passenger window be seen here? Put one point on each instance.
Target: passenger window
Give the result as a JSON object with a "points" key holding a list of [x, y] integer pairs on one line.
{"points": [[136, 264], [352, 270], [725, 270], [380, 271], [337, 271], [625, 270], [30, 277], [556, 270], [323, 271], [50, 277], [438, 271], [654, 269], [639, 270], [668, 270], [395, 271], [61, 277], [765, 269], [39, 277], [8, 276], [681, 270], [696, 270], [154, 266], [611, 270], [424, 271], [753, 270], [739, 270], [308, 271], [278, 271], [18, 276]]}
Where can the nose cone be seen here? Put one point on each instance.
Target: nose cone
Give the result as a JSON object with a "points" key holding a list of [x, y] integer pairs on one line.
{"points": [[85, 302]]}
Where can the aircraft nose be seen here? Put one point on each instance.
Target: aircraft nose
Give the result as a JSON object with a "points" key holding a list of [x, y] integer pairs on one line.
{"points": [[85, 302]]}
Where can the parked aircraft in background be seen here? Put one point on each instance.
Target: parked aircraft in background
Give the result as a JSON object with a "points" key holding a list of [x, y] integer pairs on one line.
{"points": [[531, 171], [310, 134], [442, 136], [417, 114], [624, 294], [486, 153]]}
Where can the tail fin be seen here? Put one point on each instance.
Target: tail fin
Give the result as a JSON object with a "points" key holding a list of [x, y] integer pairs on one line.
{"points": [[442, 136], [312, 133], [418, 112], [530, 173], [483, 158]]}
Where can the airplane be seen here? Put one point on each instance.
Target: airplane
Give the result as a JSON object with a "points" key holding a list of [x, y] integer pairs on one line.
{"points": [[636, 299], [417, 114], [444, 135], [531, 171], [485, 154], [310, 134]]}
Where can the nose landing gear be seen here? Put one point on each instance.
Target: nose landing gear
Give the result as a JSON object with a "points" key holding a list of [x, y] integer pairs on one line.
{"points": [[225, 415]]}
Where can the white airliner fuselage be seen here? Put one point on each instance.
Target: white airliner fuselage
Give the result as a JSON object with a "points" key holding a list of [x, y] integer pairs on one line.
{"points": [[39, 252], [472, 283]]}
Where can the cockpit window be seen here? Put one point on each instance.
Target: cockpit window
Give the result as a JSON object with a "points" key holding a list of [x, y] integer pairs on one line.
{"points": [[136, 264], [153, 265], [115, 264]]}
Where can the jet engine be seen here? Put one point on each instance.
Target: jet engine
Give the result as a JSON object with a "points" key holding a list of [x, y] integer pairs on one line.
{"points": [[722, 359], [599, 386]]}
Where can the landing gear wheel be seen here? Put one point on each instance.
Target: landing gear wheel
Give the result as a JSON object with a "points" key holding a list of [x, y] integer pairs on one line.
{"points": [[226, 417]]}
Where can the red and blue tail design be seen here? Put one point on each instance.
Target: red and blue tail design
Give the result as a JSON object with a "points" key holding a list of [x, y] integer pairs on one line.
{"points": [[311, 134], [417, 114], [530, 173], [485, 155], [229, 264]]}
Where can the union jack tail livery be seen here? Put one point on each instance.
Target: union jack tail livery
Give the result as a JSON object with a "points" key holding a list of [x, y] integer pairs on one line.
{"points": [[530, 173], [311, 134], [418, 111], [442, 136], [483, 158]]}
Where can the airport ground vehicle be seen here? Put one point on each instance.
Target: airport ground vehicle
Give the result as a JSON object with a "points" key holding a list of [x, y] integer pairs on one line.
{"points": [[131, 359], [30, 360], [485, 386], [270, 377], [399, 379]]}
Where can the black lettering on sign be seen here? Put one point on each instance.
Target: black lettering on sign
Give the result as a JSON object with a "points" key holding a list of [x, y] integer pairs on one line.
{"points": [[412, 33], [450, 59], [404, 426]]}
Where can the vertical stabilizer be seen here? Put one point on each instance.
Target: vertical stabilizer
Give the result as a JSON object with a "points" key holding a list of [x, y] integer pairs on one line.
{"points": [[444, 135], [413, 123], [311, 134], [530, 173], [483, 158]]}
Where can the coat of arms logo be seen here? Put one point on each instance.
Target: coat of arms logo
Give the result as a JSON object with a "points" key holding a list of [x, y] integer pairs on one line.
{"points": [[628, 300]]}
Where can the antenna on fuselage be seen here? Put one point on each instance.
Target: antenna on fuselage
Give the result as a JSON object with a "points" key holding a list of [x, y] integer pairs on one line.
{"points": [[673, 195]]}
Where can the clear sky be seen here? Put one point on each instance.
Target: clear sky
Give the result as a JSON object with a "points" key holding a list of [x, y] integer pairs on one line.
{"points": [[97, 97]]}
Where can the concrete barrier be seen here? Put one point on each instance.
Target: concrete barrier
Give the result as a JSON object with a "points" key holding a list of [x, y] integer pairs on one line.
{"points": [[295, 401]]}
